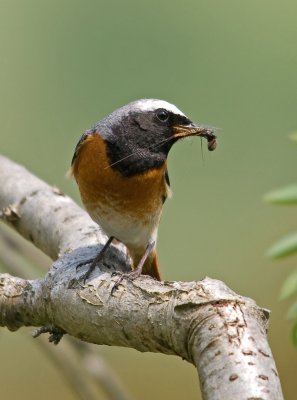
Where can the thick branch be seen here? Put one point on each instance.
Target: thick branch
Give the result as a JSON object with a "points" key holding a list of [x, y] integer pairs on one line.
{"points": [[221, 333]]}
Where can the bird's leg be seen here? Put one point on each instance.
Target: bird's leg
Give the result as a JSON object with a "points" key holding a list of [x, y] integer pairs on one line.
{"points": [[138, 270], [94, 261]]}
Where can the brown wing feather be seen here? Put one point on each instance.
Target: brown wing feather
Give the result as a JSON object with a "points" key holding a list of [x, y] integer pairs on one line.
{"points": [[84, 136]]}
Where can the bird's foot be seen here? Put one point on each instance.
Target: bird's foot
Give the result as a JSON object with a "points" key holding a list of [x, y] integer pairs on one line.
{"points": [[137, 271], [131, 276], [81, 281]]}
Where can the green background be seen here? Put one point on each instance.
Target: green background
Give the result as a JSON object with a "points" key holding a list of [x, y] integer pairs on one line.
{"points": [[230, 64]]}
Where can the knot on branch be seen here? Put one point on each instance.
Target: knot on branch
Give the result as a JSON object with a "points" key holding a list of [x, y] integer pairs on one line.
{"points": [[11, 290]]}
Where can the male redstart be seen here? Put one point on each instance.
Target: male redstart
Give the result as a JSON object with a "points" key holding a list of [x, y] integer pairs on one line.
{"points": [[120, 166]]}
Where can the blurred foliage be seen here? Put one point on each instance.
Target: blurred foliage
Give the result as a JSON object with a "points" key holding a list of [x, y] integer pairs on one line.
{"points": [[293, 136], [286, 247], [287, 195]]}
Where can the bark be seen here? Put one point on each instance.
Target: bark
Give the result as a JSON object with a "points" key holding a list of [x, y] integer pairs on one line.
{"points": [[220, 332]]}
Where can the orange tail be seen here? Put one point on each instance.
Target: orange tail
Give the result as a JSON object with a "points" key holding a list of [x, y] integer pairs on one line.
{"points": [[151, 266]]}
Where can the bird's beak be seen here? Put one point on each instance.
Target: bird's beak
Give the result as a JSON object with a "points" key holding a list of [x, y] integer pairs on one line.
{"points": [[196, 130]]}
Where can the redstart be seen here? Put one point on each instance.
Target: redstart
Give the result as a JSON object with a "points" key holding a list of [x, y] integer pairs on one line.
{"points": [[120, 166]]}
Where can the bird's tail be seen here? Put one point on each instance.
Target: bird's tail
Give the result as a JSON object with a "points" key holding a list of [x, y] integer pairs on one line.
{"points": [[151, 266]]}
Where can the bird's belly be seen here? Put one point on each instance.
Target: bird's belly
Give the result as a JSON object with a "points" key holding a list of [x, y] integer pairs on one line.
{"points": [[128, 227], [126, 207]]}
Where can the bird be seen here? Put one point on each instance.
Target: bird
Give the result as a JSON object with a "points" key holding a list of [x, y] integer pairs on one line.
{"points": [[120, 166]]}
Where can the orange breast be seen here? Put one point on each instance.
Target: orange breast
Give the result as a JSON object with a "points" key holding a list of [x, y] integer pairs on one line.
{"points": [[100, 184]]}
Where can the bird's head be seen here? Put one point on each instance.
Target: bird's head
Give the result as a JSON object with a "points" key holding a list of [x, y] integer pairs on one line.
{"points": [[140, 134]]}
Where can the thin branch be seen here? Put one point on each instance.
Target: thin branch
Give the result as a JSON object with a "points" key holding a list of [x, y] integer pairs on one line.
{"points": [[85, 370], [102, 374]]}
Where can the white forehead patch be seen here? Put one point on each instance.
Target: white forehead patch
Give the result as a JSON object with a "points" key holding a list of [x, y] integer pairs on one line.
{"points": [[152, 105]]}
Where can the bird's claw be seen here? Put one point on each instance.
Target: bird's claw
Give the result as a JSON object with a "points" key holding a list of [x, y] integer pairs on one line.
{"points": [[130, 276], [81, 264], [75, 283]]}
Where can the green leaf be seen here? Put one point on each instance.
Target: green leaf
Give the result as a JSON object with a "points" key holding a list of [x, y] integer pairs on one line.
{"points": [[286, 195], [293, 136], [283, 248], [289, 287], [294, 334], [292, 313]]}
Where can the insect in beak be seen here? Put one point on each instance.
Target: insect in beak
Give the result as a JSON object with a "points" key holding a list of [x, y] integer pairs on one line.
{"points": [[196, 130]]}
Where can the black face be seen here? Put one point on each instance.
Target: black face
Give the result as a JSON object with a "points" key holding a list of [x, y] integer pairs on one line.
{"points": [[138, 141]]}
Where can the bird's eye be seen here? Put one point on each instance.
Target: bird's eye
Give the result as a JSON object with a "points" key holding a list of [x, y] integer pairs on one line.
{"points": [[162, 114]]}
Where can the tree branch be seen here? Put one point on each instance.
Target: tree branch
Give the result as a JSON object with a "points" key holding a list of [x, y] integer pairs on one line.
{"points": [[42, 213], [221, 333]]}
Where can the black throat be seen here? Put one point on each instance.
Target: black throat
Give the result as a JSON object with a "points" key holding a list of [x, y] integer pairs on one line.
{"points": [[133, 150], [132, 161], [138, 141]]}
